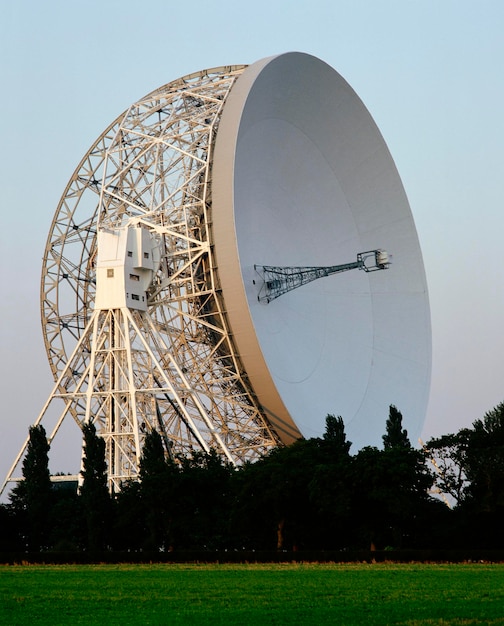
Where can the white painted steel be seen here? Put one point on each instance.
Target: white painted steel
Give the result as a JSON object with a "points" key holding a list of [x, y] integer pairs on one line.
{"points": [[141, 342], [302, 176]]}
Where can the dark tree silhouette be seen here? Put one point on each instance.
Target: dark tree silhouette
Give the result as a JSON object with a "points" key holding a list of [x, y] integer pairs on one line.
{"points": [[448, 458], [273, 504], [335, 435], [94, 493], [390, 490], [11, 537], [470, 463], [310, 495], [31, 498], [484, 461], [130, 528], [330, 491], [470, 470], [204, 501], [395, 436], [153, 461], [68, 524], [157, 487]]}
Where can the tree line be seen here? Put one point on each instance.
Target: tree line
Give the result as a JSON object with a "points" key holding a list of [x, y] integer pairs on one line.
{"points": [[312, 495]]}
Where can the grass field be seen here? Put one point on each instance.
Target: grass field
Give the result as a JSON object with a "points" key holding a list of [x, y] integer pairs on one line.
{"points": [[252, 594]]}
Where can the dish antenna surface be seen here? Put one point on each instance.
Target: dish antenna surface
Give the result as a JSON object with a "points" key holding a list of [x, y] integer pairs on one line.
{"points": [[179, 287]]}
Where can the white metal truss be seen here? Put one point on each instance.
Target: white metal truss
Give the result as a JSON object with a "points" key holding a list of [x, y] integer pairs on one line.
{"points": [[172, 368]]}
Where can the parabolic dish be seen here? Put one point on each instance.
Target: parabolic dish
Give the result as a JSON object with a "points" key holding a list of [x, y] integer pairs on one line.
{"points": [[302, 177]]}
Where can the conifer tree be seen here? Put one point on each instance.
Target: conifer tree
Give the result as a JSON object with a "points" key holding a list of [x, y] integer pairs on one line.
{"points": [[329, 485], [157, 483], [94, 491], [335, 434], [31, 498], [391, 488], [395, 436]]}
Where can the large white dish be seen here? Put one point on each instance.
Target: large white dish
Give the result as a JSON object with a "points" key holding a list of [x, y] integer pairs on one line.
{"points": [[302, 177]]}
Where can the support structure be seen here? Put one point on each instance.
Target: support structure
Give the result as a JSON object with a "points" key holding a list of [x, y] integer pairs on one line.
{"points": [[133, 319], [276, 281]]}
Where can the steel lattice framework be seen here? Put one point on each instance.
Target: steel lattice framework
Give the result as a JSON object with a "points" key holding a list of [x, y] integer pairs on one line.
{"points": [[172, 368], [276, 281]]}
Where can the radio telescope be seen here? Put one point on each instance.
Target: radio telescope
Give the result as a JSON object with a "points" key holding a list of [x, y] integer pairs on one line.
{"points": [[187, 282]]}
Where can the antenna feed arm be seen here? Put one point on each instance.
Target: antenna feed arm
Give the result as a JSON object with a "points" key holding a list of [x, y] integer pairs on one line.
{"points": [[373, 260], [275, 281]]}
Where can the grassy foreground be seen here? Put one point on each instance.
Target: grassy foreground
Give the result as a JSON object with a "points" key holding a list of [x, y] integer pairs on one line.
{"points": [[252, 594]]}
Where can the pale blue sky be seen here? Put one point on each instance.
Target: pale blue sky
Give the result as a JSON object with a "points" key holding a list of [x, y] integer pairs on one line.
{"points": [[429, 71]]}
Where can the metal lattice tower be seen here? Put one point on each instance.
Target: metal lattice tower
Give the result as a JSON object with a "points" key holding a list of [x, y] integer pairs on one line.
{"points": [[276, 281]]}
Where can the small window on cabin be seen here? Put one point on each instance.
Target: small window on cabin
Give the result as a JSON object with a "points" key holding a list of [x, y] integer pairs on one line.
{"points": [[134, 277], [134, 296], [110, 273], [146, 255], [130, 253]]}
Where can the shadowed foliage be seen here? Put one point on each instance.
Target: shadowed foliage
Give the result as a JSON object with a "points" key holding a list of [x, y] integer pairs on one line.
{"points": [[312, 495], [32, 499], [94, 492]]}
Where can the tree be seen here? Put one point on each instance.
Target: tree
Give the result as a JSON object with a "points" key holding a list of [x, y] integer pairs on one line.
{"points": [[391, 487], [94, 492], [153, 461], [470, 470], [68, 525], [204, 501], [395, 435], [157, 487], [330, 489], [273, 504], [335, 436], [484, 461], [31, 498], [390, 490], [447, 455], [11, 539], [130, 528]]}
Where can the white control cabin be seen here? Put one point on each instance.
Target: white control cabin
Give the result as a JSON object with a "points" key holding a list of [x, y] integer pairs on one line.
{"points": [[127, 260]]}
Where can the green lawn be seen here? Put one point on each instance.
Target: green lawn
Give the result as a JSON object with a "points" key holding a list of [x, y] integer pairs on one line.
{"points": [[252, 594]]}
